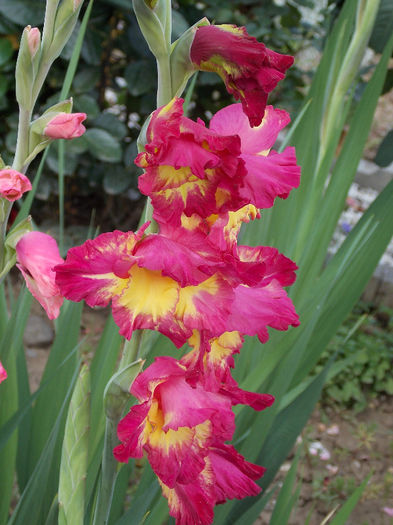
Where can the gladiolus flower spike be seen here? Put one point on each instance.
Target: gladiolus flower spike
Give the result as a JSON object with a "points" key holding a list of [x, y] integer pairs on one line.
{"points": [[195, 284]]}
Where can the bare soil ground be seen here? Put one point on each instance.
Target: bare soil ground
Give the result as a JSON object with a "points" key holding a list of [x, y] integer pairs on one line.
{"points": [[359, 445]]}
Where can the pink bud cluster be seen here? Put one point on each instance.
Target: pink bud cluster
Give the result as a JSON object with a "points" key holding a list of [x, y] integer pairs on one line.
{"points": [[193, 282]]}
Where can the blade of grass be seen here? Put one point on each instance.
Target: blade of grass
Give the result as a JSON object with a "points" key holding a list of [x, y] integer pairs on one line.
{"points": [[287, 496], [8, 405], [32, 507], [48, 404], [343, 514]]}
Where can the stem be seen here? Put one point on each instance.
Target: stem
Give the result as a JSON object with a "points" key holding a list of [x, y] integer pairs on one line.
{"points": [[168, 22], [131, 349], [61, 193], [164, 91], [21, 153], [22, 142]]}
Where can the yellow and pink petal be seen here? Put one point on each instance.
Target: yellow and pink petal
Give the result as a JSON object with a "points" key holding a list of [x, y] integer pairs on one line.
{"points": [[249, 69], [206, 306], [99, 269]]}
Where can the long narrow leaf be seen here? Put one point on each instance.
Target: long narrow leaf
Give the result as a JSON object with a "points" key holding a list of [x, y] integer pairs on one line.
{"points": [[30, 508], [74, 454], [346, 510]]}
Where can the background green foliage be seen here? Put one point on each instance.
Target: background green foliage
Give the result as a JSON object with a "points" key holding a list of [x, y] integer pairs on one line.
{"points": [[370, 352]]}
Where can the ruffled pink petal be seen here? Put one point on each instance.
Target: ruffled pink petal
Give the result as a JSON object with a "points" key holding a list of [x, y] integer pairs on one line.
{"points": [[206, 306], [254, 309], [249, 69], [269, 177], [130, 432], [98, 269], [192, 503], [276, 265], [198, 407], [225, 229], [231, 120], [3, 373], [178, 456], [234, 476], [177, 260], [37, 254]]}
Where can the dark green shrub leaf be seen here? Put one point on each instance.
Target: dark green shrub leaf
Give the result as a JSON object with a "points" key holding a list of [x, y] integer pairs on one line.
{"points": [[117, 180], [102, 145], [5, 50], [87, 104], [140, 77], [22, 12], [110, 123]]}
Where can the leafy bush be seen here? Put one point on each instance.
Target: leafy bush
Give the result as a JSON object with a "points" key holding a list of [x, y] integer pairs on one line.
{"points": [[370, 352]]}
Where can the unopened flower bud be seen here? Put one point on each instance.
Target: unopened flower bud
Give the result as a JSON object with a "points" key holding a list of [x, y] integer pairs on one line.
{"points": [[13, 184], [33, 40], [37, 254], [66, 126], [26, 66], [63, 25]]}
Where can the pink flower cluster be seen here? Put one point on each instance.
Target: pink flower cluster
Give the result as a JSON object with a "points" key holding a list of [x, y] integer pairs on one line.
{"points": [[194, 283]]}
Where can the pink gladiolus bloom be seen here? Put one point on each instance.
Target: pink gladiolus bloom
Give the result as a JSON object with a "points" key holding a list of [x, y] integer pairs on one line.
{"points": [[269, 174], [175, 422], [158, 283], [188, 168], [182, 429], [192, 171], [37, 254], [249, 69], [13, 184], [3, 373], [66, 126], [227, 475], [125, 269], [210, 363]]}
